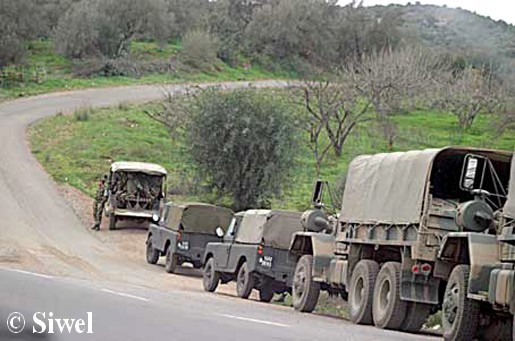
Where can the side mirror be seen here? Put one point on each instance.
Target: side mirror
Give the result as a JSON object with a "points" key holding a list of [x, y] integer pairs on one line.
{"points": [[469, 172], [219, 232], [317, 193]]}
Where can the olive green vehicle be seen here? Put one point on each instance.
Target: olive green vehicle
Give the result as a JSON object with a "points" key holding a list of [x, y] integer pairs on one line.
{"points": [[254, 253], [418, 231], [183, 232], [137, 191]]}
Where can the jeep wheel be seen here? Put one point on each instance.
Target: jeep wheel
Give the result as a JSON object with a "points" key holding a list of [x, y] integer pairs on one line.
{"points": [[210, 277], [460, 315], [305, 291], [172, 261], [388, 310], [266, 293], [244, 281], [416, 316], [112, 221], [361, 291], [152, 253]]}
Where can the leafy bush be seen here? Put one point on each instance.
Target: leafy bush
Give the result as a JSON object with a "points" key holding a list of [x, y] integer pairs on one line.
{"points": [[199, 49], [243, 143]]}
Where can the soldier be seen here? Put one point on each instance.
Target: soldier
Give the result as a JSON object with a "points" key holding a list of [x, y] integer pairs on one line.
{"points": [[100, 200]]}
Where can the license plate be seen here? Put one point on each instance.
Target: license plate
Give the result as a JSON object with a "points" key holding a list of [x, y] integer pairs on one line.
{"points": [[183, 245], [266, 261]]}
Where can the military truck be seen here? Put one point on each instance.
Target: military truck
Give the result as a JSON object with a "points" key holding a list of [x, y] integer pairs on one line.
{"points": [[183, 232], [136, 191], [254, 253], [418, 231]]}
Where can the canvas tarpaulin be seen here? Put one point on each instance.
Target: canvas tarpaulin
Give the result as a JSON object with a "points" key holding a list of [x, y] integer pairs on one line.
{"points": [[199, 218], [274, 228], [387, 188], [509, 207]]}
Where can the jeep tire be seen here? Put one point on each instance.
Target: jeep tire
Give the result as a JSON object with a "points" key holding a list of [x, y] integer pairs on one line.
{"points": [[210, 277], [152, 253], [244, 281]]}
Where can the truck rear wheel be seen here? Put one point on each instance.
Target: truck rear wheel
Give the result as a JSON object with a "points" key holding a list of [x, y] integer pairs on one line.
{"points": [[172, 261], [416, 316], [361, 291], [244, 281], [152, 253], [112, 221], [305, 291], [460, 315], [210, 277], [388, 310]]}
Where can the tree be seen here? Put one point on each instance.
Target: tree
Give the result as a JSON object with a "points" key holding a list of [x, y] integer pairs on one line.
{"points": [[333, 108], [107, 27], [18, 24], [243, 143], [468, 93], [388, 78], [199, 49]]}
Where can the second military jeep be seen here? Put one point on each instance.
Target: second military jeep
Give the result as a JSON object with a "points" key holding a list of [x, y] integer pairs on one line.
{"points": [[183, 232], [254, 253]]}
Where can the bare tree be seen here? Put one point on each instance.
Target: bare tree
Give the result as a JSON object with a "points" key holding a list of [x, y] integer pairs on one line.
{"points": [[468, 93], [333, 110], [388, 78]]}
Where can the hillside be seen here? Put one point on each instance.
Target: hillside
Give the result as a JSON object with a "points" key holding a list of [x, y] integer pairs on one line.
{"points": [[456, 31]]}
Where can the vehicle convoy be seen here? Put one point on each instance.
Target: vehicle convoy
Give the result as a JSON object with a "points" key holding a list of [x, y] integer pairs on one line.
{"points": [[137, 190], [183, 231], [418, 231], [254, 253]]}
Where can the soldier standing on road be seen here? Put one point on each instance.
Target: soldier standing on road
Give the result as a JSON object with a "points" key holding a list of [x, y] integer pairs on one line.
{"points": [[100, 200]]}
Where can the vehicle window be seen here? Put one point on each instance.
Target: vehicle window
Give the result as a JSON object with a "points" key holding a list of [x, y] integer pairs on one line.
{"points": [[231, 231]]}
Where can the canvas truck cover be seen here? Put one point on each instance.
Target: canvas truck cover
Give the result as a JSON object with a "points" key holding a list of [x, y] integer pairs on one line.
{"points": [[198, 217], [127, 166], [509, 207], [275, 228], [387, 188]]}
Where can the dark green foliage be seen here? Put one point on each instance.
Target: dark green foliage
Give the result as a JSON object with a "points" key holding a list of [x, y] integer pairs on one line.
{"points": [[243, 142]]}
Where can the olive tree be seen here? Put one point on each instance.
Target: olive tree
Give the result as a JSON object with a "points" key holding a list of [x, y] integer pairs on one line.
{"points": [[243, 144], [107, 27]]}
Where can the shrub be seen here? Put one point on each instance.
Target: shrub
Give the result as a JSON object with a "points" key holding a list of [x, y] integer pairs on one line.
{"points": [[199, 49], [243, 143]]}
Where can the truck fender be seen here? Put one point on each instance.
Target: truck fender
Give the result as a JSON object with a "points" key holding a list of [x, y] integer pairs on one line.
{"points": [[320, 246], [480, 251]]}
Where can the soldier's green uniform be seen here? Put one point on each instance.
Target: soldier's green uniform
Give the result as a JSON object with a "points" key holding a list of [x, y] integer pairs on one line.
{"points": [[98, 205]]}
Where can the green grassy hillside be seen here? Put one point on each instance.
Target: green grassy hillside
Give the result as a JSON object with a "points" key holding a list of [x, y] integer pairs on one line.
{"points": [[79, 148]]}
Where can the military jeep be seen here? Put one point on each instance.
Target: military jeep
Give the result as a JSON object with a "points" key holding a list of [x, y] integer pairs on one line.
{"points": [[183, 231], [136, 191], [254, 253], [418, 231]]}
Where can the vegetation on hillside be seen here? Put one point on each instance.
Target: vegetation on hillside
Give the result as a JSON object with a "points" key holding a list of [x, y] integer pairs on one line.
{"points": [[79, 148]]}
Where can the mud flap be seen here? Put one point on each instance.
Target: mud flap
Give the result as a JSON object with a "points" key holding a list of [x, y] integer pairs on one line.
{"points": [[417, 287]]}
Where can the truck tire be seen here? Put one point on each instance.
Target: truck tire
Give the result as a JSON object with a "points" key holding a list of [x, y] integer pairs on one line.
{"points": [[266, 294], [172, 261], [416, 316], [305, 291], [361, 291], [460, 315], [152, 253], [388, 310], [210, 277], [112, 221], [244, 281]]}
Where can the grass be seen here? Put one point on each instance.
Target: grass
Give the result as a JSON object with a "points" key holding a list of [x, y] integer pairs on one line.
{"points": [[79, 148], [45, 71]]}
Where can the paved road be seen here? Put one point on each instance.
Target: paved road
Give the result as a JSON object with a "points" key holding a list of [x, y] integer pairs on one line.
{"points": [[40, 233], [131, 313]]}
